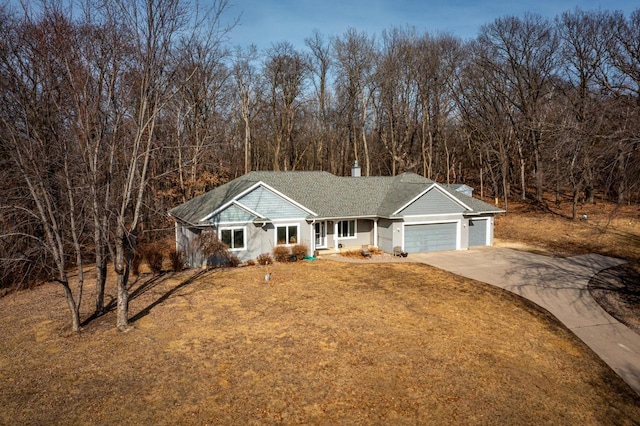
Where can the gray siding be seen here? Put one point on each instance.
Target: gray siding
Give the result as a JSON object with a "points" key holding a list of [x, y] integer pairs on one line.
{"points": [[433, 202], [385, 235], [271, 205], [263, 239], [184, 240], [183, 237], [233, 214], [259, 240], [364, 233]]}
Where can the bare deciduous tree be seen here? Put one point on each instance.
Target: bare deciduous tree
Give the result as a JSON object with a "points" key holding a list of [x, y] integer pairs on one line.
{"points": [[286, 71], [523, 53], [355, 61]]}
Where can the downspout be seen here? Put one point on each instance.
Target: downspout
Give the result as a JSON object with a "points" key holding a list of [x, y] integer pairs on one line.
{"points": [[262, 234], [175, 223], [312, 246], [375, 232]]}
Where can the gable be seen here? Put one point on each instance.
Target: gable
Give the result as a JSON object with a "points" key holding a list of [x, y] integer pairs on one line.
{"points": [[432, 202], [200, 208], [232, 214], [271, 205]]}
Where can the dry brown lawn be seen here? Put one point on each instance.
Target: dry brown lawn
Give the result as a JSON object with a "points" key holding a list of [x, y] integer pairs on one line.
{"points": [[321, 343], [610, 229]]}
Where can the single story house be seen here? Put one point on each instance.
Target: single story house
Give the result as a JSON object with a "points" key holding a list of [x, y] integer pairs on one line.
{"points": [[254, 213]]}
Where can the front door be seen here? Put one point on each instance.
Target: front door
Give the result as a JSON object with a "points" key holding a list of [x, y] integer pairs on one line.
{"points": [[321, 234]]}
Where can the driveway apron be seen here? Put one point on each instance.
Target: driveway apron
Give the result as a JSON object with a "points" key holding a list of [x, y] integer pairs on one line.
{"points": [[560, 286]]}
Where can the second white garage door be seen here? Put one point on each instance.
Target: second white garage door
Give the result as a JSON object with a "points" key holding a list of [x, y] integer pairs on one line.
{"points": [[430, 237]]}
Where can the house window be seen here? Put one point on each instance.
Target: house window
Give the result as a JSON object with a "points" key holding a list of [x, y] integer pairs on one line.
{"points": [[287, 234], [234, 238], [347, 229]]}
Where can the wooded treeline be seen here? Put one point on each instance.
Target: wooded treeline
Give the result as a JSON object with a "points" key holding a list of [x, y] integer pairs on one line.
{"points": [[113, 112]]}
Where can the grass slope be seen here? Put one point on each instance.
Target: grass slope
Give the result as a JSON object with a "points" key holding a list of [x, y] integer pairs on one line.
{"points": [[321, 343], [611, 230]]}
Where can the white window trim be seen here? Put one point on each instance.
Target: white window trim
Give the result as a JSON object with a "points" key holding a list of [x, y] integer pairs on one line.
{"points": [[234, 228], [326, 234], [414, 216], [287, 225], [355, 229]]}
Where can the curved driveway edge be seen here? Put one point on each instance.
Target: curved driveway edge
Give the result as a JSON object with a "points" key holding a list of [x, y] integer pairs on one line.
{"points": [[560, 285]]}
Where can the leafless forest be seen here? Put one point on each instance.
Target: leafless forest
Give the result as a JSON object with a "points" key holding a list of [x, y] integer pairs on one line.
{"points": [[112, 112]]}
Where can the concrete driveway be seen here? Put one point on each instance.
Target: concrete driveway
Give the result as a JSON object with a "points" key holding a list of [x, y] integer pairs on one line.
{"points": [[558, 285]]}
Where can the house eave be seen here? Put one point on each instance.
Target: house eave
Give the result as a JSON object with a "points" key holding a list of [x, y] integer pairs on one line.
{"points": [[484, 212], [319, 218]]}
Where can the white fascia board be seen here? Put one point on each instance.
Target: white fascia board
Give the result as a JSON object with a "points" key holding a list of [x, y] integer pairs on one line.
{"points": [[403, 217], [240, 206], [439, 188], [334, 218], [247, 209], [483, 212], [183, 222], [227, 204], [288, 219]]}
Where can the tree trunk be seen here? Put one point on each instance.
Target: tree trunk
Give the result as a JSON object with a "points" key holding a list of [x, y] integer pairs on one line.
{"points": [[74, 233], [101, 277], [523, 185], [448, 159], [538, 172], [621, 176], [73, 307], [247, 139], [365, 145], [122, 270]]}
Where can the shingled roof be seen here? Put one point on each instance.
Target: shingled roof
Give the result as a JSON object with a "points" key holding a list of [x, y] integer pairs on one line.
{"points": [[327, 195]]}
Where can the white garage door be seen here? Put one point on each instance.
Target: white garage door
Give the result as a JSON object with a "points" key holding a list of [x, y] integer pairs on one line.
{"points": [[430, 237], [478, 232]]}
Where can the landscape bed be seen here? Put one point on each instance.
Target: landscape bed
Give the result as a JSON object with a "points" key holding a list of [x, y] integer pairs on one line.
{"points": [[321, 342]]}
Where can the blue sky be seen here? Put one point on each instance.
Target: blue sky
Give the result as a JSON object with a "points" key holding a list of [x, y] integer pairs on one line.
{"points": [[264, 22]]}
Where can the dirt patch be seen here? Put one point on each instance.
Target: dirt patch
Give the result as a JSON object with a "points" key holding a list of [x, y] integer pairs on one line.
{"points": [[322, 343], [617, 290]]}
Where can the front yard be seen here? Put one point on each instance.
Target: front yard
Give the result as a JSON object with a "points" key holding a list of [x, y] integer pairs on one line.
{"points": [[321, 343]]}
